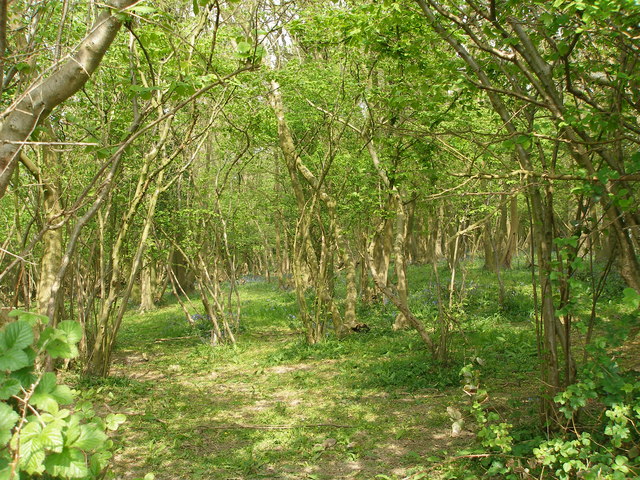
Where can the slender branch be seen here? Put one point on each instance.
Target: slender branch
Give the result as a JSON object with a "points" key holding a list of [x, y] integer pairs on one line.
{"points": [[632, 177]]}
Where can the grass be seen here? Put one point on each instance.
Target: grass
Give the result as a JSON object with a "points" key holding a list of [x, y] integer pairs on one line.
{"points": [[373, 405]]}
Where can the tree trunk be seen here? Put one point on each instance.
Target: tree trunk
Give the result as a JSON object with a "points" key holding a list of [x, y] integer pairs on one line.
{"points": [[401, 320], [147, 286], [41, 98], [511, 246], [350, 319], [542, 217], [316, 259], [383, 247]]}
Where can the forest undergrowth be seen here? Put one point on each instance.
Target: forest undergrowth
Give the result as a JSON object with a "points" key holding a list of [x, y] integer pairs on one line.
{"points": [[372, 405]]}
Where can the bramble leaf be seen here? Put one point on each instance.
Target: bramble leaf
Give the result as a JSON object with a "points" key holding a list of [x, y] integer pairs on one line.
{"points": [[9, 387], [18, 335], [69, 463], [13, 359], [8, 419]]}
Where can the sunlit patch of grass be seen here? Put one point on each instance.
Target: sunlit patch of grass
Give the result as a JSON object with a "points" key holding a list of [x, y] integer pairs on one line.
{"points": [[263, 408]]}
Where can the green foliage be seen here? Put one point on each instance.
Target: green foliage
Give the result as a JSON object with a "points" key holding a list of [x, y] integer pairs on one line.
{"points": [[37, 436], [603, 448], [493, 433]]}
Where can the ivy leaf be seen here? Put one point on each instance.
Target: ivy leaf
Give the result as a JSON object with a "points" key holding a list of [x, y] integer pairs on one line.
{"points": [[13, 359], [18, 335], [8, 419], [67, 464]]}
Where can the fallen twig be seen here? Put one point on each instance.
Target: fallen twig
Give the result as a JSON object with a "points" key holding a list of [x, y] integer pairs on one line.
{"points": [[159, 340], [238, 426]]}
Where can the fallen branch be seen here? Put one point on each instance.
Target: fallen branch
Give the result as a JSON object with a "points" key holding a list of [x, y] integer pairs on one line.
{"points": [[239, 426], [159, 340]]}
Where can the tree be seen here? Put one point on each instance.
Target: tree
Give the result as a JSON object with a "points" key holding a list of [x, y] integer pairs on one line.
{"points": [[33, 105]]}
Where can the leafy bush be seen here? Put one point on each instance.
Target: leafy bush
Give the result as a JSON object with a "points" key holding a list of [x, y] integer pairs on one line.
{"points": [[599, 441], [37, 436]]}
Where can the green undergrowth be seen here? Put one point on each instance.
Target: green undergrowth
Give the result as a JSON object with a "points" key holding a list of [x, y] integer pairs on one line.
{"points": [[371, 405]]}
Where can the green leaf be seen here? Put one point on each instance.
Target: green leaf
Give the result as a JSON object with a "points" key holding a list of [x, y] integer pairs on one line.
{"points": [[51, 437], [112, 421], [33, 462], [244, 48], [8, 419], [631, 298], [524, 140], [49, 334], [72, 433], [99, 462], [9, 387], [30, 317], [91, 438], [72, 329], [23, 67], [13, 359], [621, 460], [69, 463], [25, 375], [59, 349], [5, 470], [47, 383], [43, 396], [547, 19], [18, 335], [45, 401], [143, 9], [563, 48], [63, 394]]}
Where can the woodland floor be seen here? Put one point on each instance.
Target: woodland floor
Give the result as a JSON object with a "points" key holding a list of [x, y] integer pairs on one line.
{"points": [[371, 406]]}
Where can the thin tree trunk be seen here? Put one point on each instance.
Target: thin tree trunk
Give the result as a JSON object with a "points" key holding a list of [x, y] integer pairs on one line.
{"points": [[40, 99], [147, 287]]}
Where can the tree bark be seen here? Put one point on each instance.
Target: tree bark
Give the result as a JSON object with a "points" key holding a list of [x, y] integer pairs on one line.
{"points": [[319, 259], [40, 99], [147, 287], [542, 212]]}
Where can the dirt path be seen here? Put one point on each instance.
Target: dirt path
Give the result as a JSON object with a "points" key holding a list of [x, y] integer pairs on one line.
{"points": [[201, 413]]}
